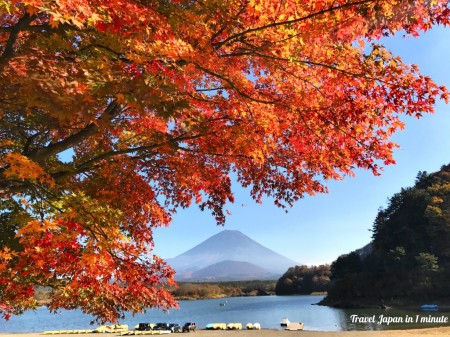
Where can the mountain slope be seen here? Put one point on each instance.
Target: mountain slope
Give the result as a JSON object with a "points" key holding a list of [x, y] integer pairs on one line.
{"points": [[229, 245], [232, 270]]}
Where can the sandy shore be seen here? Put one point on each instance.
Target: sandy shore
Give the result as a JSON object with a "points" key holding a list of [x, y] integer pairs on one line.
{"points": [[282, 333]]}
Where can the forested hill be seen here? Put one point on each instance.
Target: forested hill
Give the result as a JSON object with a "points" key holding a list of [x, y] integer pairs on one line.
{"points": [[409, 261], [304, 280]]}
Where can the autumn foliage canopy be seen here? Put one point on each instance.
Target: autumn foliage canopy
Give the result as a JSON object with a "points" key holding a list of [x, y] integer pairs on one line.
{"points": [[113, 114]]}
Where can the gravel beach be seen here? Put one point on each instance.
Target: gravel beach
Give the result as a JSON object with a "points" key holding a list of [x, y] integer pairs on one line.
{"points": [[445, 331]]}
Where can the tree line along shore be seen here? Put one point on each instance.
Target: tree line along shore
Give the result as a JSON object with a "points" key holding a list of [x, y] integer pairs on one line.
{"points": [[202, 290], [208, 290]]}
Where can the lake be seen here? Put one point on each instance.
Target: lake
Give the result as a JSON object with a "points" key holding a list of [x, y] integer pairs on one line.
{"points": [[266, 310]]}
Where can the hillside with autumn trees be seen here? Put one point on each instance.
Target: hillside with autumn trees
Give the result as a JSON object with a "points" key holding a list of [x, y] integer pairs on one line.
{"points": [[114, 114], [304, 280], [408, 262]]}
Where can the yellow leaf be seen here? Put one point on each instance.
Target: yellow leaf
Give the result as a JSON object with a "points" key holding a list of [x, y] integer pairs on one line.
{"points": [[94, 18], [21, 167]]}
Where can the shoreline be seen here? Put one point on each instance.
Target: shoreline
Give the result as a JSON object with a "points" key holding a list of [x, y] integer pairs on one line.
{"points": [[439, 331]]}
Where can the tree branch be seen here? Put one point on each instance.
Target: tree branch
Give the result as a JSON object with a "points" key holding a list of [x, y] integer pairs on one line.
{"points": [[39, 155], [91, 163], [8, 52], [310, 63], [283, 23], [223, 78]]}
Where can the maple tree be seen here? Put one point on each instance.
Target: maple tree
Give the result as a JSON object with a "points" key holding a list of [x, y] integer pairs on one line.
{"points": [[116, 113]]}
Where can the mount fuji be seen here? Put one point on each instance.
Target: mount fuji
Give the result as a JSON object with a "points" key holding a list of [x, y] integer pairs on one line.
{"points": [[229, 255]]}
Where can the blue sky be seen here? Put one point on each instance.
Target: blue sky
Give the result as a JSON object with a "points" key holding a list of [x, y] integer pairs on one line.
{"points": [[320, 228]]}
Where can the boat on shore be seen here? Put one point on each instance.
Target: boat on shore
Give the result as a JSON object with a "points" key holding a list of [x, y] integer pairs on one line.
{"points": [[216, 326], [253, 326], [234, 326], [66, 332], [284, 322], [292, 326]]}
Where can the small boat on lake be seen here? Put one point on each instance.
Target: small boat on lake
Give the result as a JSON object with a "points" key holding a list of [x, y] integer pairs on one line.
{"points": [[429, 307]]}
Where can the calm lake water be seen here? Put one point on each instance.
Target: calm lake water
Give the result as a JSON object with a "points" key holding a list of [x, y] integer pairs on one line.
{"points": [[266, 310]]}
